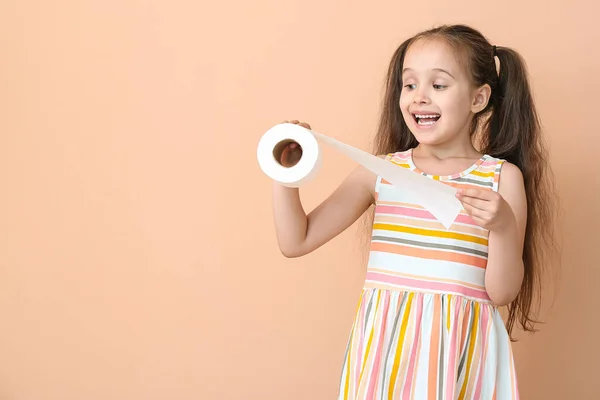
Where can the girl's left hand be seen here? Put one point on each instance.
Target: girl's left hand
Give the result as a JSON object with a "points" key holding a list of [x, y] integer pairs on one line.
{"points": [[486, 207]]}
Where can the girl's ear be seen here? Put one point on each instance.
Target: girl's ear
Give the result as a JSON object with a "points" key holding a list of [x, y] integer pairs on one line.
{"points": [[481, 97]]}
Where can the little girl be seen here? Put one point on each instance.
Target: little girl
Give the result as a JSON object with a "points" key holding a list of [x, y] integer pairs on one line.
{"points": [[428, 325]]}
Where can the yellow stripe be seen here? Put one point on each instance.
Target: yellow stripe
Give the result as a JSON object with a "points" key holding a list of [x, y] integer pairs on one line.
{"points": [[370, 341], [482, 174], [449, 303], [400, 164], [469, 230], [348, 363], [471, 350], [431, 232], [399, 346]]}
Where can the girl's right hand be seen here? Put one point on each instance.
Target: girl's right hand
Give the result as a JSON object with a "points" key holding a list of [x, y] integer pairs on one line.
{"points": [[291, 153], [296, 122]]}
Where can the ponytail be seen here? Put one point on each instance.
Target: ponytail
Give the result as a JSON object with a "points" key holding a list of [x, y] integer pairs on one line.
{"points": [[514, 134]]}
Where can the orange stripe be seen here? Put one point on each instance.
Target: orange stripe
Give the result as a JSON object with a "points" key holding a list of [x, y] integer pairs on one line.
{"points": [[400, 204], [434, 346], [429, 254], [464, 327]]}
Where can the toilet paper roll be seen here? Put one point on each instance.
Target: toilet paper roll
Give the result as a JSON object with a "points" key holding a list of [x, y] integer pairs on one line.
{"points": [[439, 199], [272, 144]]}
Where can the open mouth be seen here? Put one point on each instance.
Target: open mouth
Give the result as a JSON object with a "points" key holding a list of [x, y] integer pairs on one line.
{"points": [[426, 119]]}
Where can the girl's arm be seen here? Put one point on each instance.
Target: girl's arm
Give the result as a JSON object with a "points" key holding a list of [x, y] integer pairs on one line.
{"points": [[505, 215], [504, 273], [299, 234]]}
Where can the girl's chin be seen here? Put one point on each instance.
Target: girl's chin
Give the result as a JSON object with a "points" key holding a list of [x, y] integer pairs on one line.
{"points": [[427, 138]]}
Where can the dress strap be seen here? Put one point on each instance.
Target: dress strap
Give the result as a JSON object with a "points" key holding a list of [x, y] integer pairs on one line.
{"points": [[497, 171]]}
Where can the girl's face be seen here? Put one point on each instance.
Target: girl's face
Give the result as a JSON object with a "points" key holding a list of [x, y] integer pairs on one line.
{"points": [[437, 100]]}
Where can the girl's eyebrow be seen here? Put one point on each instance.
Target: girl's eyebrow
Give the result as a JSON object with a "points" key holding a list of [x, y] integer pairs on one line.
{"points": [[435, 69]]}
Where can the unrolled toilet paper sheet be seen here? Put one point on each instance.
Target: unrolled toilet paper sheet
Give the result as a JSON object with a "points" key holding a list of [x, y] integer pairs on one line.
{"points": [[436, 197]]}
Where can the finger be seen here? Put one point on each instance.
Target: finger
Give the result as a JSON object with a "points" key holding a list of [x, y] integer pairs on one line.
{"points": [[474, 193], [482, 223], [475, 212], [294, 121], [476, 203], [284, 156], [293, 157], [304, 125]]}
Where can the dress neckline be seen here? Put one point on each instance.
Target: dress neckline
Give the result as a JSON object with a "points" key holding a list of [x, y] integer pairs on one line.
{"points": [[457, 175]]}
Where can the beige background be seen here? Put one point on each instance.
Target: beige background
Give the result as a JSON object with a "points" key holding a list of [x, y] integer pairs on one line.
{"points": [[136, 263]]}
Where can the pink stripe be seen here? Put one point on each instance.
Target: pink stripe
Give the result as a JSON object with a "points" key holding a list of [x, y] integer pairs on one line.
{"points": [[424, 214], [490, 162], [409, 384], [361, 340], [513, 375], [400, 156], [483, 322], [425, 285], [465, 219], [452, 353], [375, 376], [398, 210]]}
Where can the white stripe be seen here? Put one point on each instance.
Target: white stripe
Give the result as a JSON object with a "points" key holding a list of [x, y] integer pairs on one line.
{"points": [[490, 370], [422, 372], [436, 269], [503, 378]]}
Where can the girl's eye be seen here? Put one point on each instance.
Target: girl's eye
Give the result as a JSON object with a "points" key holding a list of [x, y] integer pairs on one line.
{"points": [[440, 87], [410, 86]]}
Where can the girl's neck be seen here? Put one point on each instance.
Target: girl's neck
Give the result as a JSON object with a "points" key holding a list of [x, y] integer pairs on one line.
{"points": [[447, 151]]}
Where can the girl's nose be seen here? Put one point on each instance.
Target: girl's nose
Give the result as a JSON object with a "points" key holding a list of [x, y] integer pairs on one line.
{"points": [[421, 97]]}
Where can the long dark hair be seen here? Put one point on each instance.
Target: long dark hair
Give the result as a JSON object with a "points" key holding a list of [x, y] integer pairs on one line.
{"points": [[508, 128]]}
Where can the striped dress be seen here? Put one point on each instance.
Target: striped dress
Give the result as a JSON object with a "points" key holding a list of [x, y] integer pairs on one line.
{"points": [[425, 328]]}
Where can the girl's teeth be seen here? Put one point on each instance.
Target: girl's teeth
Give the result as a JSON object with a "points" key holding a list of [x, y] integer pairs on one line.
{"points": [[427, 119]]}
